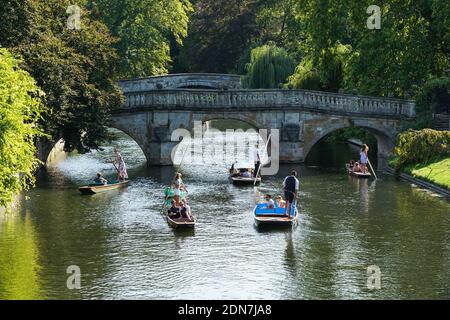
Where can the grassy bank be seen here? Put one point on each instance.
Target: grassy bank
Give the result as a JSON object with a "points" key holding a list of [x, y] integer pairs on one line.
{"points": [[437, 172], [425, 155]]}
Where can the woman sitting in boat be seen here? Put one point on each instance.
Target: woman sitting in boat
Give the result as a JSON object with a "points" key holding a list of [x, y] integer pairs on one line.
{"points": [[178, 186], [364, 158], [174, 211], [270, 204], [280, 203], [354, 166], [246, 174], [233, 171], [120, 166], [100, 179], [186, 210]]}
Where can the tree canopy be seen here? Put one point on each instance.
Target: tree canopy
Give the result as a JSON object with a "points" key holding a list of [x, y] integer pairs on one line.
{"points": [[20, 111], [145, 29], [269, 67], [75, 68]]}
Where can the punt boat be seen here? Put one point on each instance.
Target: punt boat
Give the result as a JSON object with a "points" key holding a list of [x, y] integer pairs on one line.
{"points": [[274, 217], [357, 174], [242, 174], [180, 223], [99, 188]]}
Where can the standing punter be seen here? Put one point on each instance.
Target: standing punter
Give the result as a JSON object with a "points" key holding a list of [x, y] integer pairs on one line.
{"points": [[290, 187], [257, 160]]}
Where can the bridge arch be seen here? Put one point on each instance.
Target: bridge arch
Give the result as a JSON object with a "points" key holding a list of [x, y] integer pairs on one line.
{"points": [[385, 139]]}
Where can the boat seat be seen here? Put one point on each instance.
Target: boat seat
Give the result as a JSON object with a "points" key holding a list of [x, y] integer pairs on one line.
{"points": [[262, 210]]}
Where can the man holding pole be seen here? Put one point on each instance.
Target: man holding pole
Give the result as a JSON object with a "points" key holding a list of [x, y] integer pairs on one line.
{"points": [[291, 186], [257, 160]]}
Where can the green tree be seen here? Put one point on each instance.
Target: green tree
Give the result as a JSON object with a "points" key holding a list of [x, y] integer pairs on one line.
{"points": [[75, 68], [20, 111], [269, 67], [326, 74], [220, 32], [145, 29]]}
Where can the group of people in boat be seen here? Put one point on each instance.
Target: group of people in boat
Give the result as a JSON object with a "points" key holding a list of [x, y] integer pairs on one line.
{"points": [[251, 171], [243, 172], [179, 208], [180, 212], [291, 186], [361, 165], [119, 164]]}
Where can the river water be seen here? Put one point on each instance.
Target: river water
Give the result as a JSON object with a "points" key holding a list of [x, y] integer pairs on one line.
{"points": [[126, 250]]}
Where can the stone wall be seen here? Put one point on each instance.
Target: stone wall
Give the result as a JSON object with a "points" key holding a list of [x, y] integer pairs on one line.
{"points": [[174, 81]]}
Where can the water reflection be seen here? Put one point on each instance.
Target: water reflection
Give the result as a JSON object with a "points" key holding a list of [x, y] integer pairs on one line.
{"points": [[19, 258], [126, 249]]}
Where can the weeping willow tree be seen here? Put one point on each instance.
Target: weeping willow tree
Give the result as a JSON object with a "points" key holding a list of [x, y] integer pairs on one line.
{"points": [[269, 67]]}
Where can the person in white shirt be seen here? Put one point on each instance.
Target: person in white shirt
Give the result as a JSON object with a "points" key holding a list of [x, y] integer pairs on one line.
{"points": [[291, 185], [269, 202], [364, 158], [257, 160]]}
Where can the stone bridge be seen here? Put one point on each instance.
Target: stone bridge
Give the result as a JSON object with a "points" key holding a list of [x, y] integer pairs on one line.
{"points": [[157, 106]]}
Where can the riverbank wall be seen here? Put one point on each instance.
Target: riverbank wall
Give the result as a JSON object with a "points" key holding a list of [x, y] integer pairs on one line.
{"points": [[424, 184]]}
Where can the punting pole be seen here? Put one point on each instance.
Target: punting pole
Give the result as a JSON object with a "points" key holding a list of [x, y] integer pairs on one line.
{"points": [[370, 165], [265, 151]]}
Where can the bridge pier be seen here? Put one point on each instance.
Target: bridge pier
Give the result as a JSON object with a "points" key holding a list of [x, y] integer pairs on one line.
{"points": [[291, 152], [160, 153]]}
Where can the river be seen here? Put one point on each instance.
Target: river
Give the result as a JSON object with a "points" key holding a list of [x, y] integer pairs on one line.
{"points": [[126, 250]]}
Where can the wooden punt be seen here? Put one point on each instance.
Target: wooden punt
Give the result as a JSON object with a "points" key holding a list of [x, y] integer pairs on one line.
{"points": [[274, 217], [357, 174], [245, 181], [181, 223], [238, 169], [99, 188]]}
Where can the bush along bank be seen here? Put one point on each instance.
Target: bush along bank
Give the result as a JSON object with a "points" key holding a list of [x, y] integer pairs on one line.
{"points": [[424, 155]]}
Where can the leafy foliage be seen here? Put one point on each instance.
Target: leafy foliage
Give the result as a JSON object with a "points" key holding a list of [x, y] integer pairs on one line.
{"points": [[327, 75], [20, 110], [424, 146], [145, 29], [220, 31], [75, 68], [269, 67]]}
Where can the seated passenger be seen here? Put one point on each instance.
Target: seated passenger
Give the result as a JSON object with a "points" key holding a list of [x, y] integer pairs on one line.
{"points": [[357, 167], [233, 171], [351, 165], [269, 202], [280, 202], [186, 210], [246, 174], [174, 211], [100, 179]]}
